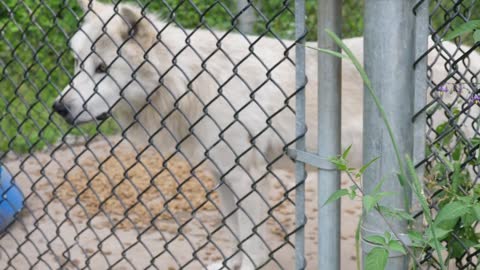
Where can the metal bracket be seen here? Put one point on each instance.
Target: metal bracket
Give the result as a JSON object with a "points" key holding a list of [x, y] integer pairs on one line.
{"points": [[314, 160]]}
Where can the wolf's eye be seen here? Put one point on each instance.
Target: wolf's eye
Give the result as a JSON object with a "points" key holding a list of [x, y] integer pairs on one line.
{"points": [[102, 68]]}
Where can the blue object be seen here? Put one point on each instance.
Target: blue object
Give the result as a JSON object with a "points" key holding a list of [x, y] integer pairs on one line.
{"points": [[11, 199]]}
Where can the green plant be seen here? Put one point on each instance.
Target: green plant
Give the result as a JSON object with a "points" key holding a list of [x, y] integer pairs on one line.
{"points": [[36, 65], [459, 211], [452, 229], [472, 27], [384, 244], [452, 18]]}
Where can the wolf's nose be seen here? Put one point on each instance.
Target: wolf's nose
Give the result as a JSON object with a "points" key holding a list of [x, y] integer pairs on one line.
{"points": [[60, 108]]}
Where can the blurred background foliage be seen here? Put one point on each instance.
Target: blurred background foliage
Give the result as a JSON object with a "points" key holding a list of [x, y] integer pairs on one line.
{"points": [[36, 64]]}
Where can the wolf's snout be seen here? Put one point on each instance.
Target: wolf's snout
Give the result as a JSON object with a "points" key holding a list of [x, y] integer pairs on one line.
{"points": [[103, 116], [61, 109]]}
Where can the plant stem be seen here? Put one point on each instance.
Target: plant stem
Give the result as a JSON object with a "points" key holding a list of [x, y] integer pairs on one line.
{"points": [[377, 208]]}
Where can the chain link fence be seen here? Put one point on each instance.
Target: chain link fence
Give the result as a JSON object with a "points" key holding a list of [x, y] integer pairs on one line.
{"points": [[124, 173], [452, 115], [160, 101]]}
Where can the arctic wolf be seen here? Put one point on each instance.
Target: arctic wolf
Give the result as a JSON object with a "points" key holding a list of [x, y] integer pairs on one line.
{"points": [[224, 100], [215, 99]]}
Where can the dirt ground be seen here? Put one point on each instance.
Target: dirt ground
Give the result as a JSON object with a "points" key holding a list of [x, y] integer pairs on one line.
{"points": [[81, 213]]}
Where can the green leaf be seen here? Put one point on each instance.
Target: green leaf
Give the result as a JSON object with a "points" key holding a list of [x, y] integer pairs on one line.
{"points": [[445, 160], [475, 141], [340, 163], [357, 242], [445, 130], [402, 179], [456, 111], [469, 219], [404, 215], [478, 159], [450, 213], [366, 166], [457, 152], [330, 52], [476, 36], [388, 237], [337, 195], [462, 29], [466, 199], [476, 210], [418, 191], [415, 236], [346, 152], [441, 127], [377, 188], [456, 177], [465, 239], [439, 233], [369, 202], [353, 192], [396, 245], [395, 213], [376, 259], [417, 239], [376, 239]]}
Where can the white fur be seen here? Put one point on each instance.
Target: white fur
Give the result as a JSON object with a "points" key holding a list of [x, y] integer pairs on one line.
{"points": [[159, 92]]}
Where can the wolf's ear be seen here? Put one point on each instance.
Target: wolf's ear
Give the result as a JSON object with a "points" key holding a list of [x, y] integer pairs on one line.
{"points": [[86, 4], [138, 27]]}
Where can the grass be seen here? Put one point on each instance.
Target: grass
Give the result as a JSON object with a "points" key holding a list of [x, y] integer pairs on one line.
{"points": [[35, 63]]}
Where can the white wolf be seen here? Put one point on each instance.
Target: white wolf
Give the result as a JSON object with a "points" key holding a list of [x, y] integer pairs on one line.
{"points": [[214, 98]]}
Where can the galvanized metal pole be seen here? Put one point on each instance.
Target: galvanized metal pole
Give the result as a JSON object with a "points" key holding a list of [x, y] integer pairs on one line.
{"points": [[300, 173], [389, 59], [420, 97], [329, 126], [247, 19]]}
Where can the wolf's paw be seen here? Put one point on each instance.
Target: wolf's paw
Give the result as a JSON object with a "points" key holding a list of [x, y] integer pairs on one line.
{"points": [[216, 266], [220, 266], [246, 267]]}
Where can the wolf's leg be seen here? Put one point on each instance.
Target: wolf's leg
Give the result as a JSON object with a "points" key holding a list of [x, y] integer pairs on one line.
{"points": [[249, 211], [230, 213], [228, 206], [252, 212], [230, 221]]}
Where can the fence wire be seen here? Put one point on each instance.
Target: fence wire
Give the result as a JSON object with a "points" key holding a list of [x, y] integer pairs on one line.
{"points": [[452, 115], [96, 196], [165, 98]]}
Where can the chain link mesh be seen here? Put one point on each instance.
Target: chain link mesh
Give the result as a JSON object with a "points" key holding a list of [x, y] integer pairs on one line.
{"points": [[452, 113], [93, 197]]}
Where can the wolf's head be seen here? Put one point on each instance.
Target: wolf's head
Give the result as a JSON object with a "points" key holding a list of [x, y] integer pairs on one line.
{"points": [[110, 50]]}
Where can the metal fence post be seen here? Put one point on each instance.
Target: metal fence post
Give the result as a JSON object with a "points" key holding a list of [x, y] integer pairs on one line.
{"points": [[420, 97], [300, 219], [389, 59], [247, 19], [329, 123]]}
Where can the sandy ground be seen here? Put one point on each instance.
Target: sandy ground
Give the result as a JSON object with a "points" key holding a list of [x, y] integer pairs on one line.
{"points": [[72, 223]]}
